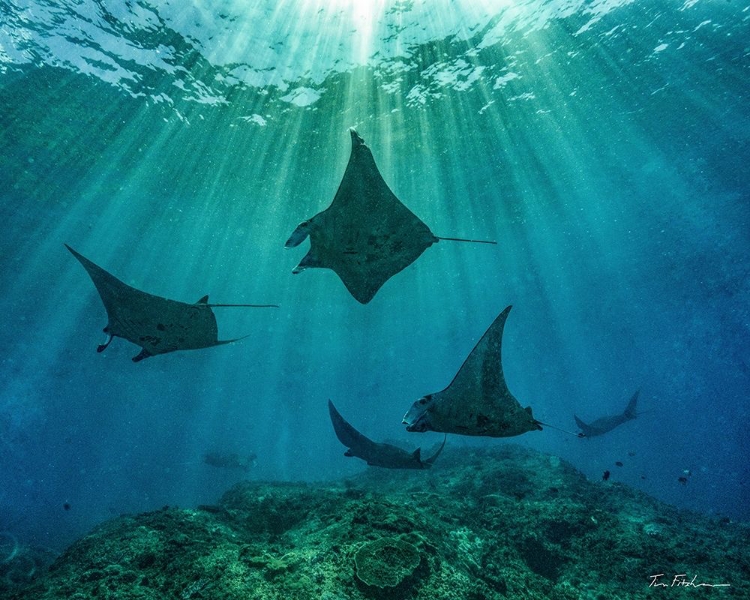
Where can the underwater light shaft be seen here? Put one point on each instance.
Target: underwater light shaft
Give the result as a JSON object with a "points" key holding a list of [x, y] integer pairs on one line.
{"points": [[603, 148]]}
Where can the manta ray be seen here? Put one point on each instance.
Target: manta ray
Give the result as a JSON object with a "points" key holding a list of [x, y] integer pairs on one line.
{"points": [[374, 453], [366, 235], [477, 402], [231, 460], [606, 424], [158, 325]]}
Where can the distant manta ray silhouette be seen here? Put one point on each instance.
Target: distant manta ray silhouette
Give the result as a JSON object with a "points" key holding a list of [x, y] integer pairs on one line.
{"points": [[376, 454], [607, 424], [366, 235], [477, 402], [158, 325]]}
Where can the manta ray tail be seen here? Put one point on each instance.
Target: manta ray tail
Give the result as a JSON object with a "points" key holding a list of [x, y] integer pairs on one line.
{"points": [[432, 458], [232, 341], [453, 239], [204, 301], [580, 424]]}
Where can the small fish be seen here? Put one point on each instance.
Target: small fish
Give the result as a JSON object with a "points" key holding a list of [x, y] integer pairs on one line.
{"points": [[618, 463], [682, 480], [605, 476], [66, 506], [631, 454]]}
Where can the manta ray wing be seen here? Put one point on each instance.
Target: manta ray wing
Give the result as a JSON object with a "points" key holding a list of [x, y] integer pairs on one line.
{"points": [[357, 443], [433, 458]]}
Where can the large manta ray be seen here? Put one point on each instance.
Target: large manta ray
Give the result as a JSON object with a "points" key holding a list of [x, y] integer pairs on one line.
{"points": [[373, 453], [478, 401], [606, 424], [366, 235], [158, 325]]}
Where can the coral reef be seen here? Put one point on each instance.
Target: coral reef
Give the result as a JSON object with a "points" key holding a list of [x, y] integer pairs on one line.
{"points": [[386, 562], [483, 524]]}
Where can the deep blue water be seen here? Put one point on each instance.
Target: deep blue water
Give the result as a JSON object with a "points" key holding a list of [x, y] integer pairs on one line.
{"points": [[604, 145]]}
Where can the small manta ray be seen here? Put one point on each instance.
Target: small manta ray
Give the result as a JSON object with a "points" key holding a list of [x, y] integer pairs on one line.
{"points": [[366, 235], [158, 325], [478, 401], [373, 453], [606, 424], [230, 460]]}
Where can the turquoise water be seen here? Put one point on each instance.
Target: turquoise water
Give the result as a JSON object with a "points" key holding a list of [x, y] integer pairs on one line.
{"points": [[603, 145]]}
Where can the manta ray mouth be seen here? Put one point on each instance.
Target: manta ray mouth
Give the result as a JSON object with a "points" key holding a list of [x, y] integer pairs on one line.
{"points": [[420, 425]]}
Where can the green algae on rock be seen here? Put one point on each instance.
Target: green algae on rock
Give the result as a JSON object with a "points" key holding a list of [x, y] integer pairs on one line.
{"points": [[483, 524], [386, 562]]}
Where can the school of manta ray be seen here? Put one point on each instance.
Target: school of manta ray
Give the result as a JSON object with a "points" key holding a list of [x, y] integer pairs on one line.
{"points": [[366, 236]]}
